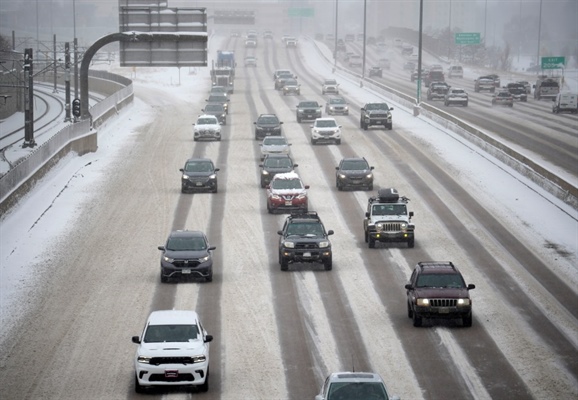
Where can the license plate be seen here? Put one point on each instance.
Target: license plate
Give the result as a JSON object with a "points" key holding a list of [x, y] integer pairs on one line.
{"points": [[379, 122], [307, 254], [444, 310], [186, 271], [198, 183], [171, 374], [288, 202]]}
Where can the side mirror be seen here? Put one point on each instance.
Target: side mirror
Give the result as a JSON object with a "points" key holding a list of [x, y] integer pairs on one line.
{"points": [[366, 215], [295, 165], [330, 232], [162, 248], [217, 169], [280, 233], [471, 286], [408, 286], [136, 339], [411, 214], [212, 248], [208, 338], [306, 186]]}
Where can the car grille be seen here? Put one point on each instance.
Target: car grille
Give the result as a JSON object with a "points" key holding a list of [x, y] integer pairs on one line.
{"points": [[443, 302], [288, 197], [391, 227], [178, 378], [380, 115], [171, 360], [186, 263], [306, 246]]}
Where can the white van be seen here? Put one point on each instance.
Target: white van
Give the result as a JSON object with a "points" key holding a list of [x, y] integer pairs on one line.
{"points": [[565, 102], [455, 71]]}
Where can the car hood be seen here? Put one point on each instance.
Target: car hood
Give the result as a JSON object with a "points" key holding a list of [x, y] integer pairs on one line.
{"points": [[390, 218], [447, 293], [213, 127], [294, 192], [355, 173], [198, 174], [278, 170], [188, 255], [274, 148], [173, 349]]}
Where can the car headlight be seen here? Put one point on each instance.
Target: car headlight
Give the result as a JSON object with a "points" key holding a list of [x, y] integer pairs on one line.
{"points": [[275, 197], [289, 245], [301, 196], [259, 128], [369, 176], [299, 110], [423, 302], [264, 172], [324, 244], [341, 176], [332, 108], [205, 258], [212, 176], [168, 259], [346, 108], [185, 176], [463, 302], [144, 359], [199, 358], [403, 226], [223, 115]]}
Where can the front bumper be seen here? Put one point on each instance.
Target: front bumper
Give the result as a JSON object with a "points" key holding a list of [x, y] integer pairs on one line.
{"points": [[388, 236], [261, 133], [315, 255], [356, 182], [181, 269], [443, 312], [371, 121], [208, 135], [291, 90], [308, 116], [279, 203], [150, 375], [200, 183], [326, 136]]}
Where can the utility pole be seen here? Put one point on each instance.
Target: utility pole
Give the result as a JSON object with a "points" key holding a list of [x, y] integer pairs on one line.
{"points": [[29, 100], [67, 81]]}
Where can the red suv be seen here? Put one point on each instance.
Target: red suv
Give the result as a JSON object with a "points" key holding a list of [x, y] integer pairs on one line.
{"points": [[286, 192]]}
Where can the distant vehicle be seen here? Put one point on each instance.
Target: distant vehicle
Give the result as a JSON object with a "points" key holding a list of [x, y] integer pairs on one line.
{"points": [[330, 37], [518, 91], [220, 99], [274, 145], [437, 90], [565, 102], [546, 87], [199, 174], [291, 42], [281, 78], [250, 61], [354, 172], [397, 42], [278, 72], [407, 49], [456, 96], [337, 105], [217, 110], [219, 90], [409, 65], [207, 127], [291, 86], [527, 85], [437, 289], [354, 385], [325, 130], [286, 192], [484, 83], [433, 76], [455, 71], [173, 350], [375, 71], [308, 110], [355, 61], [496, 78], [267, 125], [373, 114], [384, 63], [268, 34], [414, 75], [503, 98], [186, 253], [350, 37], [330, 86], [251, 43]]}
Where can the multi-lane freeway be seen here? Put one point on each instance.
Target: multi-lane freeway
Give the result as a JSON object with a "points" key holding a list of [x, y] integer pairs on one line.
{"points": [[278, 334]]}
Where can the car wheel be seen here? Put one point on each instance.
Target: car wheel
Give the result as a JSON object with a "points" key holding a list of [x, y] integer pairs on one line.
{"points": [[263, 184], [365, 126], [371, 243], [205, 386], [137, 386], [313, 141], [411, 243], [183, 189], [298, 120], [409, 311], [215, 189], [370, 187], [338, 141], [284, 264], [366, 235], [269, 209], [468, 321], [164, 279], [328, 265], [338, 186], [195, 139], [417, 320]]}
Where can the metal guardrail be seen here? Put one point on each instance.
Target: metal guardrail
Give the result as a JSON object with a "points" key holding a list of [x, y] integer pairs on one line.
{"points": [[549, 181]]}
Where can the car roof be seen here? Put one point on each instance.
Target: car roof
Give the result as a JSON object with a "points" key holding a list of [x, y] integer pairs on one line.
{"points": [[276, 155], [199, 159], [355, 377], [171, 317], [206, 116], [354, 159], [287, 175], [326, 119], [437, 267]]}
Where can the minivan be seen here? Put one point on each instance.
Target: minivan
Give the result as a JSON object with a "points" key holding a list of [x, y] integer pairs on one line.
{"points": [[455, 71]]}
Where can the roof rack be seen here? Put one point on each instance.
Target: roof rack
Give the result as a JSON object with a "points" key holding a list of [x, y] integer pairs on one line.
{"points": [[387, 195], [301, 214]]}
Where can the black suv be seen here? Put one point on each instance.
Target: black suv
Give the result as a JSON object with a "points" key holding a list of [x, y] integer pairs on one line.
{"points": [[267, 125], [375, 114], [186, 253], [437, 289], [518, 91], [275, 164], [354, 172], [199, 174], [304, 239], [309, 109]]}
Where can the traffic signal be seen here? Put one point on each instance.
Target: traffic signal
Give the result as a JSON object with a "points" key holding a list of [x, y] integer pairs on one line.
{"points": [[76, 107]]}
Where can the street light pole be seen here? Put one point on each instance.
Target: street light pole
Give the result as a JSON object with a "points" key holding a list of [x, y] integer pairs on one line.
{"points": [[450, 33], [539, 34], [335, 44], [419, 46], [364, 36]]}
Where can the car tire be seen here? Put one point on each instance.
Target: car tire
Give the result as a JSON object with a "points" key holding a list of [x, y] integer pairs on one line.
{"points": [[137, 386], [313, 141], [366, 236], [417, 320], [298, 120], [195, 139], [365, 126], [205, 386], [411, 243], [409, 311], [338, 141], [183, 190], [164, 279], [468, 320], [215, 189], [371, 243], [328, 264], [338, 186], [284, 264], [370, 187]]}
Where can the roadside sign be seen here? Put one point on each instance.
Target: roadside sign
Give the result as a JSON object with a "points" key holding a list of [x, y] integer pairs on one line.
{"points": [[552, 62], [467, 38], [301, 12]]}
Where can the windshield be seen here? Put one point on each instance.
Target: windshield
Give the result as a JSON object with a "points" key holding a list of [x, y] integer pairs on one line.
{"points": [[287, 184], [277, 162], [274, 142], [170, 333], [440, 280], [305, 229], [218, 99], [199, 166], [325, 123], [377, 106], [268, 120], [290, 82], [214, 108], [355, 165], [186, 243], [389, 209], [206, 121], [357, 390], [331, 82], [308, 104], [337, 101]]}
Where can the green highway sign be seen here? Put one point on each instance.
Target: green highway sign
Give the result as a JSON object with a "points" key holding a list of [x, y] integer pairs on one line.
{"points": [[552, 62], [467, 38], [301, 12]]}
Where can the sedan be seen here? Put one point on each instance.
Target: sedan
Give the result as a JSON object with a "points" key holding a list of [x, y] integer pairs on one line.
{"points": [[274, 145], [503, 98]]}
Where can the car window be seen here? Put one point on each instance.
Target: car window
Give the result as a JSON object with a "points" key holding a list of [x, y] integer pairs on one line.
{"points": [[186, 244], [170, 333], [354, 165], [206, 121], [357, 390], [277, 162], [268, 120], [389, 209], [199, 166], [308, 104], [274, 142], [325, 124], [440, 280], [337, 100], [305, 229]]}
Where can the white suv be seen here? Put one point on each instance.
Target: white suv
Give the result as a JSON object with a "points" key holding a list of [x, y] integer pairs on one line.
{"points": [[207, 127], [354, 385], [173, 351], [325, 130]]}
